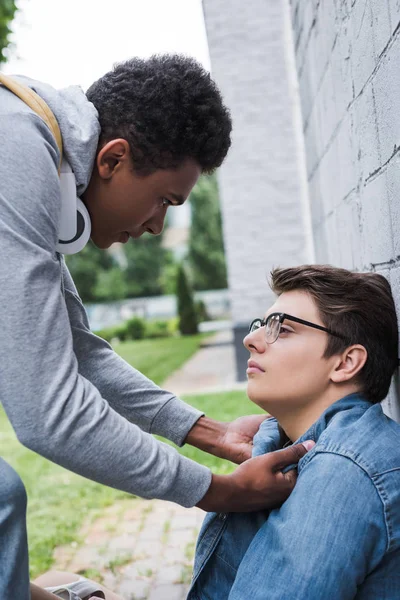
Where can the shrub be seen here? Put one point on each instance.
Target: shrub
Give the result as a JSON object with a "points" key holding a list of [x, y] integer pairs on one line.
{"points": [[152, 329], [186, 308], [135, 328], [201, 311], [121, 333], [173, 326], [157, 329], [111, 333]]}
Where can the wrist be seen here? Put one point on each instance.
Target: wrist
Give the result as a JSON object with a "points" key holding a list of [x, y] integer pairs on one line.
{"points": [[219, 496], [208, 435]]}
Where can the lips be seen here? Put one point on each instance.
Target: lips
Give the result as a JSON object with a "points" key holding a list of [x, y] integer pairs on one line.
{"points": [[124, 237], [253, 367], [136, 234]]}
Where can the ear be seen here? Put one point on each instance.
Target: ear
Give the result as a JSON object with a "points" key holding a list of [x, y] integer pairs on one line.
{"points": [[111, 157], [349, 363]]}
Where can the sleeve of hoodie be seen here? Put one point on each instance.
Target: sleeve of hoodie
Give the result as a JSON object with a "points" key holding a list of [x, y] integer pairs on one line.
{"points": [[54, 408], [127, 390]]}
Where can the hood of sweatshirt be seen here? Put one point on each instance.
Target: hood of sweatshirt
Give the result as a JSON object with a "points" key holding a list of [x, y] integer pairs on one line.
{"points": [[79, 125]]}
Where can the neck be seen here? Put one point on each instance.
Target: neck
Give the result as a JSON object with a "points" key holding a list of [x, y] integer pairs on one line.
{"points": [[299, 418]]}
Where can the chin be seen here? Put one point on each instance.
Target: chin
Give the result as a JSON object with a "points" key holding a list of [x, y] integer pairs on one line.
{"points": [[101, 243], [257, 395]]}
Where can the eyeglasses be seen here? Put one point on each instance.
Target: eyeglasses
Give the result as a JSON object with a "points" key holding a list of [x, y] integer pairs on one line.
{"points": [[274, 322]]}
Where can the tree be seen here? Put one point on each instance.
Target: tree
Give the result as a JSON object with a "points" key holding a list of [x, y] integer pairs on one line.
{"points": [[206, 248], [7, 12], [186, 306], [99, 278], [110, 285], [146, 260], [86, 267]]}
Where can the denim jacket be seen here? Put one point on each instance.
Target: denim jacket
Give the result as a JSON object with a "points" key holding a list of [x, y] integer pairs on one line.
{"points": [[337, 537]]}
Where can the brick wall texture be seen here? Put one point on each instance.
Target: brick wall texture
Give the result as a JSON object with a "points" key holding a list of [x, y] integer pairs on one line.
{"points": [[348, 64], [346, 56]]}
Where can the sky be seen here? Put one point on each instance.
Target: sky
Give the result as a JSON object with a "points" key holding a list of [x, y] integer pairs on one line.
{"points": [[77, 41]]}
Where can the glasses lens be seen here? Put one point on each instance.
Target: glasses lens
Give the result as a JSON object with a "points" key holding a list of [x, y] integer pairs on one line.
{"points": [[256, 324], [272, 329]]}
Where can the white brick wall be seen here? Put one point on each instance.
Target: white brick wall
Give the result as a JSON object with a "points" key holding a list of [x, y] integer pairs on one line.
{"points": [[348, 63]]}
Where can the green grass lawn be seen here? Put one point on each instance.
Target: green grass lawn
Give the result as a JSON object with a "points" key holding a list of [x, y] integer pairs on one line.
{"points": [[59, 501], [160, 357]]}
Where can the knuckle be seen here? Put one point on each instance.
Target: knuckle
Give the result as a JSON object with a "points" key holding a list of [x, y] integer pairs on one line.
{"points": [[291, 478], [299, 451]]}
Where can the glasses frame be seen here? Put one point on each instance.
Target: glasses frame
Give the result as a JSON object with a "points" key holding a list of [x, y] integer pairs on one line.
{"points": [[285, 316]]}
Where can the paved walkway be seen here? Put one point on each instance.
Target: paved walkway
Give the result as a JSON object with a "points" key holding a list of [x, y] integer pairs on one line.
{"points": [[211, 369], [140, 549], [144, 549]]}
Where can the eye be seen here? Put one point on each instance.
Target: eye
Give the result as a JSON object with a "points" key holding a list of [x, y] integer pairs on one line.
{"points": [[284, 330], [166, 202]]}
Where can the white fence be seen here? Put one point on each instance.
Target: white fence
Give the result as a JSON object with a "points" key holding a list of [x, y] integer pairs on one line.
{"points": [[158, 307]]}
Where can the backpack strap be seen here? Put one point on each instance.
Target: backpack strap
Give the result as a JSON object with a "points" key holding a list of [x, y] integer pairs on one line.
{"points": [[37, 104]]}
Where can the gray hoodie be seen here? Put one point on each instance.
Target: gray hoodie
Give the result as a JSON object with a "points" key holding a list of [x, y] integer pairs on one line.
{"points": [[67, 394]]}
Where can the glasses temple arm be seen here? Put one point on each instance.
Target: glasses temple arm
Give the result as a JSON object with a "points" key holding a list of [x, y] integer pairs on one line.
{"points": [[303, 322]]}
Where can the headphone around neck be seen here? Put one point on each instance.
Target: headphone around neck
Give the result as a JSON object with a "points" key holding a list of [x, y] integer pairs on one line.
{"points": [[75, 225]]}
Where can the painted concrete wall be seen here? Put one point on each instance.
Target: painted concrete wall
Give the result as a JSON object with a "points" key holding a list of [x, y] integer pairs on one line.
{"points": [[262, 183], [348, 64]]}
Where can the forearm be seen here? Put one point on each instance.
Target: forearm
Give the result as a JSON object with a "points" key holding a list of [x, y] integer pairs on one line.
{"points": [[208, 435], [97, 443], [128, 391], [232, 441], [220, 494]]}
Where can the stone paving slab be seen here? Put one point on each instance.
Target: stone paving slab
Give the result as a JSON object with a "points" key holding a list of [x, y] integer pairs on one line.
{"points": [[141, 549]]}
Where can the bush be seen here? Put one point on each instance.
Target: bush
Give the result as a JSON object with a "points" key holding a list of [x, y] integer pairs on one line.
{"points": [[135, 328], [111, 333], [201, 311], [186, 308], [173, 326], [121, 333], [157, 329]]}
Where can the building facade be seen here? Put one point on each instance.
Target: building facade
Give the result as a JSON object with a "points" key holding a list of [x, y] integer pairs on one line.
{"points": [[346, 81], [347, 58]]}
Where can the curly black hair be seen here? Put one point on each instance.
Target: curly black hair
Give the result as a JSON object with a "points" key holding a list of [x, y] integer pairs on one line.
{"points": [[168, 109]]}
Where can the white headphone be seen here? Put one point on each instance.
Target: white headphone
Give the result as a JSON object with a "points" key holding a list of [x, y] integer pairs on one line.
{"points": [[75, 225]]}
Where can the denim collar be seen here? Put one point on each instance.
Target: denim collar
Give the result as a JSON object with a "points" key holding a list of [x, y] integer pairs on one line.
{"points": [[345, 403]]}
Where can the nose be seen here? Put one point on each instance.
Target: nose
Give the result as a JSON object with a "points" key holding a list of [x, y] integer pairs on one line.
{"points": [[255, 341], [155, 224]]}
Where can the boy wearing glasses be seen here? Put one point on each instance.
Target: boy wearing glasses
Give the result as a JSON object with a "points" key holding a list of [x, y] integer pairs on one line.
{"points": [[320, 362]]}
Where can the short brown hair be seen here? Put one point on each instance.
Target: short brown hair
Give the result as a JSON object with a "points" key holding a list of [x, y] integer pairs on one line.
{"points": [[357, 306]]}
